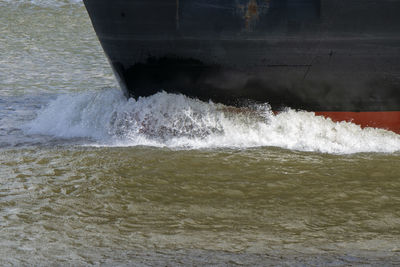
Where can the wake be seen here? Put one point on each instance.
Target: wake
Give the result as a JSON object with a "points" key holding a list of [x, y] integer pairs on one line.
{"points": [[176, 121]]}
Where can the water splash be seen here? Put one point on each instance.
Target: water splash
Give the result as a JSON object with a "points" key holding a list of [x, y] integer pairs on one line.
{"points": [[176, 121]]}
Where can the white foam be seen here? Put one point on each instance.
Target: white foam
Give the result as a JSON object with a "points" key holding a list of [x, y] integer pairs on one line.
{"points": [[176, 121]]}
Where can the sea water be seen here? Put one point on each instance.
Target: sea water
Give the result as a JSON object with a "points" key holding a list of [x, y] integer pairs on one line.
{"points": [[88, 177]]}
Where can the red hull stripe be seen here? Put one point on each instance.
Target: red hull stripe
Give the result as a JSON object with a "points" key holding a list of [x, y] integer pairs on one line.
{"points": [[389, 120]]}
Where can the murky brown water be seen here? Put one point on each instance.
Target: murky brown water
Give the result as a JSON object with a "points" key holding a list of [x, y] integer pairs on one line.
{"points": [[149, 205]]}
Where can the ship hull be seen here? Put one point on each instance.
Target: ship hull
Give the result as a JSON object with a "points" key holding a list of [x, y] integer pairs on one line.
{"points": [[304, 54]]}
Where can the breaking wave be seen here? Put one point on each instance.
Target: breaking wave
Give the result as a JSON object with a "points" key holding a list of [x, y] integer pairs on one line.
{"points": [[176, 121]]}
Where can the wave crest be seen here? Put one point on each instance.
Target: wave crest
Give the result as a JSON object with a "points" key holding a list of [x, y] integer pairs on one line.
{"points": [[170, 120]]}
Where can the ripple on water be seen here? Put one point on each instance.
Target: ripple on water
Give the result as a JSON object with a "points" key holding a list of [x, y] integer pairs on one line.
{"points": [[93, 205]]}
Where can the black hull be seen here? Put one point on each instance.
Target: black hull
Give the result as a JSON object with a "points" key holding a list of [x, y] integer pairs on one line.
{"points": [[316, 55]]}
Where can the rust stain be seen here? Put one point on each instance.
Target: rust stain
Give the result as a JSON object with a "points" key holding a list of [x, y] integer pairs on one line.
{"points": [[252, 11], [251, 14]]}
